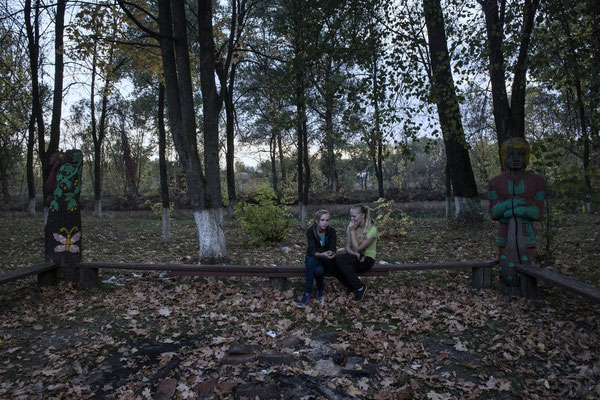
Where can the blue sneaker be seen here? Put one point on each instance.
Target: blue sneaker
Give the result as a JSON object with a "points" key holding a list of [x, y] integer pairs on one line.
{"points": [[305, 300], [320, 294]]}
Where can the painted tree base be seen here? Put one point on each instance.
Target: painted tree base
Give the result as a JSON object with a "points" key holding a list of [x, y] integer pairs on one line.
{"points": [[98, 209], [302, 212], [467, 209], [166, 225], [211, 237], [31, 208]]}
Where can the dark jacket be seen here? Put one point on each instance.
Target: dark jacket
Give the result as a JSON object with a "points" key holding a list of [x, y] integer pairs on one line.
{"points": [[314, 242]]}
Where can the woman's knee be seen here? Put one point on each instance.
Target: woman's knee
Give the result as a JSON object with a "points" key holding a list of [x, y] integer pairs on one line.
{"points": [[319, 271], [311, 262]]}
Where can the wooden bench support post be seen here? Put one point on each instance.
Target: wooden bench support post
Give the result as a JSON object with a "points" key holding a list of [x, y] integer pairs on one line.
{"points": [[482, 277], [47, 278], [528, 286], [88, 278], [278, 283]]}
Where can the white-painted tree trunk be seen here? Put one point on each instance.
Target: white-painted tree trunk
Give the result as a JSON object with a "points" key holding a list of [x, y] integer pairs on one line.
{"points": [[31, 208], [166, 225], [448, 207], [467, 208], [98, 209], [211, 236], [591, 208], [302, 215]]}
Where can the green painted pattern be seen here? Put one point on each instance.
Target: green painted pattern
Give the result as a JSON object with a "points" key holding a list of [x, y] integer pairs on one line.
{"points": [[68, 181], [530, 238], [540, 196], [518, 189]]}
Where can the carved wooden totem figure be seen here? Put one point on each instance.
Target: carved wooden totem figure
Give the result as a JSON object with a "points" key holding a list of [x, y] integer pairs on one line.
{"points": [[63, 227], [516, 200]]}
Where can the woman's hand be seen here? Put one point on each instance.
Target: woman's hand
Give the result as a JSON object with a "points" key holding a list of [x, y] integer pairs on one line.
{"points": [[352, 226]]}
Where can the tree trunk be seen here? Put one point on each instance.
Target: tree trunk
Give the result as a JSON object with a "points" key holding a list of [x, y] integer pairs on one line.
{"points": [[211, 235], [226, 72], [448, 186], [180, 99], [443, 92], [162, 165], [575, 69], [4, 192], [30, 173], [585, 137], [97, 178], [59, 25], [375, 141], [230, 152], [209, 221], [306, 164], [303, 166], [273, 158], [509, 118], [178, 87], [33, 44], [281, 166], [332, 176], [130, 165], [210, 105], [166, 224]]}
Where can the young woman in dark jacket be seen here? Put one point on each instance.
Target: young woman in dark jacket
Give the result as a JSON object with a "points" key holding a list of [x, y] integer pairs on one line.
{"points": [[320, 255]]}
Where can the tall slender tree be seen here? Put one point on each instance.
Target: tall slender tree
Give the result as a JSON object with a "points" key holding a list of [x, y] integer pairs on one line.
{"points": [[57, 94], [204, 193], [36, 120], [228, 58], [162, 161], [509, 114], [443, 94]]}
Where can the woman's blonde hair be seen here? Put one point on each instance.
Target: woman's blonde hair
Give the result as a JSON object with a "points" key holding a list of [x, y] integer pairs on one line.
{"points": [[366, 211]]}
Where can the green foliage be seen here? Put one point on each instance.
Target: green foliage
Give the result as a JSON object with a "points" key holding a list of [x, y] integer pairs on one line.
{"points": [[158, 207], [570, 190], [548, 240], [266, 221], [388, 224]]}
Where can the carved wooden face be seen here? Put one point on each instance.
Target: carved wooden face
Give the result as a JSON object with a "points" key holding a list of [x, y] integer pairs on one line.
{"points": [[515, 159]]}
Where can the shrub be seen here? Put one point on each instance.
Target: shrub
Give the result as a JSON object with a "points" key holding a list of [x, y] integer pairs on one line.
{"points": [[387, 224], [157, 208], [266, 221]]}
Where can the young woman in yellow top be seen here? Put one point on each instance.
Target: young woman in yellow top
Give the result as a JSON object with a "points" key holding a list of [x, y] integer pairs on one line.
{"points": [[360, 254]]}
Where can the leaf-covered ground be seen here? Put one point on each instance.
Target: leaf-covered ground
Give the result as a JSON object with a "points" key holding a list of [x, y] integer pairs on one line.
{"points": [[416, 335]]}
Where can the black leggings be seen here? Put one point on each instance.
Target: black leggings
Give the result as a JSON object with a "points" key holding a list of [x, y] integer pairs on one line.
{"points": [[348, 268]]}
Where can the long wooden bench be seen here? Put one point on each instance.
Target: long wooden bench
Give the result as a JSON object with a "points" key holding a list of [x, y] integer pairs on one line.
{"points": [[481, 273], [529, 288], [280, 271], [228, 270], [278, 274]]}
